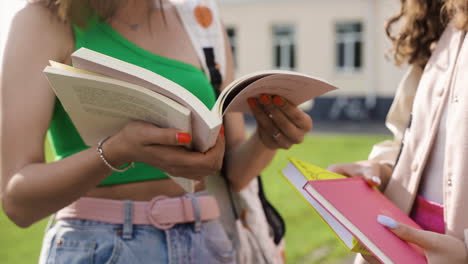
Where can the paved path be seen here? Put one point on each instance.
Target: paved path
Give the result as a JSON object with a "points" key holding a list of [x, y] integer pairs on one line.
{"points": [[353, 127], [344, 127]]}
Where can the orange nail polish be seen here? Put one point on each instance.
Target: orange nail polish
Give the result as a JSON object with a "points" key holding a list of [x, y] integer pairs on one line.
{"points": [[183, 138], [277, 100], [221, 131], [265, 99], [252, 102]]}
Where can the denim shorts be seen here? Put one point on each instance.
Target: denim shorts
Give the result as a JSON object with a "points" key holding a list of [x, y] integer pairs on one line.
{"points": [[75, 241]]}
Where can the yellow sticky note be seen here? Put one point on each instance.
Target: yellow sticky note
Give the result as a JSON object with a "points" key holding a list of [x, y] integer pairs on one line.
{"points": [[312, 172], [360, 248]]}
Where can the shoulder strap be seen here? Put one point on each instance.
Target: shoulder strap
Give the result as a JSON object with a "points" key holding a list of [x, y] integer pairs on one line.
{"points": [[202, 22], [203, 25]]}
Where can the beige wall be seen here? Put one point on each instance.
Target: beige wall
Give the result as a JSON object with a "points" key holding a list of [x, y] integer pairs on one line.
{"points": [[314, 21]]}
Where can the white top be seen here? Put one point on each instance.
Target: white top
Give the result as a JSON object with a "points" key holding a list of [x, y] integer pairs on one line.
{"points": [[432, 178]]}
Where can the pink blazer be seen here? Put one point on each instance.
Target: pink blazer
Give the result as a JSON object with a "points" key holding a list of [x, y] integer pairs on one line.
{"points": [[443, 83]]}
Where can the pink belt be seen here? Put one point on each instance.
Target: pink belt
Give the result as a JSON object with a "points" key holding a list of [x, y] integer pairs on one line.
{"points": [[161, 212]]}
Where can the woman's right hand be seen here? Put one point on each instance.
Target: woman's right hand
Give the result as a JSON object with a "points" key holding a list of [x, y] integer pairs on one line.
{"points": [[373, 172], [163, 148]]}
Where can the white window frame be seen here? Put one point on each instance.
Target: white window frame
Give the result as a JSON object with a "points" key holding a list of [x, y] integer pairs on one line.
{"points": [[285, 42], [349, 40]]}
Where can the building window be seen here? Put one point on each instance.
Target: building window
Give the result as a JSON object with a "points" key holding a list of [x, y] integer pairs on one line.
{"points": [[284, 45], [349, 47], [231, 32]]}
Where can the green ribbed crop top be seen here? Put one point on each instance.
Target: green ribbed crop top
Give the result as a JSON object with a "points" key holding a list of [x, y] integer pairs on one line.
{"points": [[101, 37]]}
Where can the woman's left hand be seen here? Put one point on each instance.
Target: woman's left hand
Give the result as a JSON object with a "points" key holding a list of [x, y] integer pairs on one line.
{"points": [[439, 249], [280, 124]]}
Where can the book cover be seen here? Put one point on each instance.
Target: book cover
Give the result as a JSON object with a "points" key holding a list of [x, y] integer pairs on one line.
{"points": [[298, 173], [356, 205]]}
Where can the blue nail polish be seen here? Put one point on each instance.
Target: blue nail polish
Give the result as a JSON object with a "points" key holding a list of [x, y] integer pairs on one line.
{"points": [[376, 180], [387, 221]]}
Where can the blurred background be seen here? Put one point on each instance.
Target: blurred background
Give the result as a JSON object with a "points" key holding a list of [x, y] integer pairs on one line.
{"points": [[341, 41]]}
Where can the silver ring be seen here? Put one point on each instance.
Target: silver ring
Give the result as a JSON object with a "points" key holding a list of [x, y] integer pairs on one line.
{"points": [[275, 136], [270, 116]]}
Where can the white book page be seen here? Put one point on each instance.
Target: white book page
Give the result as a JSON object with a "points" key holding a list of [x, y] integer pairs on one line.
{"points": [[295, 87], [205, 125], [235, 87], [187, 184], [101, 107]]}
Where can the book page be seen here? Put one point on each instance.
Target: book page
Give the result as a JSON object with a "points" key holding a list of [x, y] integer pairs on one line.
{"points": [[296, 88], [187, 184], [101, 107], [205, 125], [233, 89]]}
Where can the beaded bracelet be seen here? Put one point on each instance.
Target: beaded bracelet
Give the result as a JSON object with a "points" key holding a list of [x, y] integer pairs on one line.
{"points": [[101, 155]]}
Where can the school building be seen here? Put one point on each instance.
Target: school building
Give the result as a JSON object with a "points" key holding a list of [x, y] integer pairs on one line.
{"points": [[341, 41]]}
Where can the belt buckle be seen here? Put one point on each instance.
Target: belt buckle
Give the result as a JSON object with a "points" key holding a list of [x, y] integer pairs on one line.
{"points": [[151, 208]]}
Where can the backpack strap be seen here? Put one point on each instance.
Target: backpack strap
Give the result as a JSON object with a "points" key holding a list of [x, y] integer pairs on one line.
{"points": [[202, 22], [203, 25]]}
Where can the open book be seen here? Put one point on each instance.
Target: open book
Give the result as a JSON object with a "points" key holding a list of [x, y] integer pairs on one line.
{"points": [[350, 207], [105, 93], [102, 94]]}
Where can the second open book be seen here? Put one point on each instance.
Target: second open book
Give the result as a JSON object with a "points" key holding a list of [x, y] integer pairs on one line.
{"points": [[101, 94], [350, 207]]}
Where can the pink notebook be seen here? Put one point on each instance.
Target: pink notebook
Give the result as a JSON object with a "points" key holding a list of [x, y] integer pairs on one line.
{"points": [[356, 206]]}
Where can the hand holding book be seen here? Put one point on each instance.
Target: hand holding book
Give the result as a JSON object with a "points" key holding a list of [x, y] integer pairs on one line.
{"points": [[144, 142], [280, 124], [350, 207], [374, 173], [102, 95], [438, 248]]}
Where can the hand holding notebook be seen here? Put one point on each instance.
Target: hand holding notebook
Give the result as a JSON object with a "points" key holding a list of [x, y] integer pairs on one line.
{"points": [[351, 207], [438, 248]]}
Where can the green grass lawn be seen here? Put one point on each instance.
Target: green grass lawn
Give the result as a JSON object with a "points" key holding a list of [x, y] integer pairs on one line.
{"points": [[305, 231]]}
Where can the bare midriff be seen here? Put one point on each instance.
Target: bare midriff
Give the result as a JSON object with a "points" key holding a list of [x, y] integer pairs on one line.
{"points": [[141, 191]]}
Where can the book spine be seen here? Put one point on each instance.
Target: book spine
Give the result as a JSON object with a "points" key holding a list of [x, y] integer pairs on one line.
{"points": [[214, 134]]}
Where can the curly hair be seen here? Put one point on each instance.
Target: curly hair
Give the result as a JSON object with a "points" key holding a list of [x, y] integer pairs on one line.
{"points": [[421, 25]]}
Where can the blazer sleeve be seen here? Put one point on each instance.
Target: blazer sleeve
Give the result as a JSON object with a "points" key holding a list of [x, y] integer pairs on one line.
{"points": [[386, 152], [466, 239]]}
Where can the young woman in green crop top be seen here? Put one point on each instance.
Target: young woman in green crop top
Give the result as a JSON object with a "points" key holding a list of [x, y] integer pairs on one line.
{"points": [[136, 216]]}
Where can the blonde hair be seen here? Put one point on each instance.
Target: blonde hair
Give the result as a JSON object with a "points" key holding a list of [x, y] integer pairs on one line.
{"points": [[77, 12], [458, 10], [422, 24]]}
